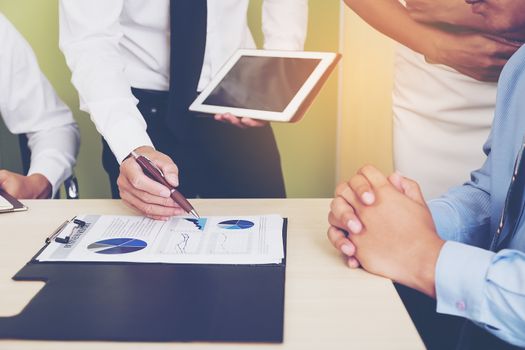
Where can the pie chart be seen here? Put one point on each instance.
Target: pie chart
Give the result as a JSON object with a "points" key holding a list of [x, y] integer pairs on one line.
{"points": [[235, 224], [117, 246]]}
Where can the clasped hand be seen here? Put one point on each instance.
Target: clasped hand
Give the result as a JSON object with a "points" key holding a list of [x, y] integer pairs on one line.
{"points": [[141, 193], [383, 224]]}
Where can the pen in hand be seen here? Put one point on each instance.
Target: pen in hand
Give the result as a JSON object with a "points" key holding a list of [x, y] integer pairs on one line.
{"points": [[152, 171]]}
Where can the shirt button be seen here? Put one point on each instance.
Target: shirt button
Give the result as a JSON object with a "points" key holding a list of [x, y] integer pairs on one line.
{"points": [[461, 306], [153, 110]]}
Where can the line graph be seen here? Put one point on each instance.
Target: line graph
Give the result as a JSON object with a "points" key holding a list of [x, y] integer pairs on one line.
{"points": [[232, 243], [183, 243]]}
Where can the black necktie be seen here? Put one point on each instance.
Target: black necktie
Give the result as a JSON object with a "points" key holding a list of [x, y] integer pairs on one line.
{"points": [[187, 44]]}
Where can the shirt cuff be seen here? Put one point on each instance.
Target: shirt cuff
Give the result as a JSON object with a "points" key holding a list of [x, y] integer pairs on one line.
{"points": [[461, 272], [123, 142], [53, 169], [121, 125]]}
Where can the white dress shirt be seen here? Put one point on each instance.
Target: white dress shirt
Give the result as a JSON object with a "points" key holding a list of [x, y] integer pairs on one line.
{"points": [[113, 45], [29, 105]]}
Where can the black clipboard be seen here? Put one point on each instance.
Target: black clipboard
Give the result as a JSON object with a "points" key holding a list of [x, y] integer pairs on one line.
{"points": [[152, 302]]}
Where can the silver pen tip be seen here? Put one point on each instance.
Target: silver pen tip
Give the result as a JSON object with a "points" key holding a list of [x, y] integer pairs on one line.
{"points": [[194, 213]]}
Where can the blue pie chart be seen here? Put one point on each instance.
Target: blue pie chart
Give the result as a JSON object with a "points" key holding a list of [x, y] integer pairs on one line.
{"points": [[236, 224], [117, 246]]}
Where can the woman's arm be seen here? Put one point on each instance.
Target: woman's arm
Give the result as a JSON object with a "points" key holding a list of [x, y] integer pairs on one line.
{"points": [[472, 54], [446, 12]]}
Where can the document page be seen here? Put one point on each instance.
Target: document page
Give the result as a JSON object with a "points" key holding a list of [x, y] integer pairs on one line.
{"points": [[210, 240]]}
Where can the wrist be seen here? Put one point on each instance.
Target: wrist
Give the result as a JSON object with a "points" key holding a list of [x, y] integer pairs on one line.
{"points": [[40, 187], [432, 48], [144, 150], [425, 274]]}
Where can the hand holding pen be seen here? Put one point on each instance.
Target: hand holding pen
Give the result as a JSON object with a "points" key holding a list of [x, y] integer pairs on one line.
{"points": [[142, 193], [153, 172]]}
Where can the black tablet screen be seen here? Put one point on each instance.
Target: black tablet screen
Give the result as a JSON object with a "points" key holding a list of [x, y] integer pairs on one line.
{"points": [[262, 83]]}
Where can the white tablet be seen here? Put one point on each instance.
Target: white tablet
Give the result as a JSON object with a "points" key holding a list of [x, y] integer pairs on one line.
{"points": [[267, 85]]}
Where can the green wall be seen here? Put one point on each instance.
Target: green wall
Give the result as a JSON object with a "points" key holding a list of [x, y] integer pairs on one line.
{"points": [[307, 148]]}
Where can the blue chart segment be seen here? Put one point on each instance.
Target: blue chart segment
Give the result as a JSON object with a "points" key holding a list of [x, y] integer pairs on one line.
{"points": [[236, 224], [117, 246], [199, 223]]}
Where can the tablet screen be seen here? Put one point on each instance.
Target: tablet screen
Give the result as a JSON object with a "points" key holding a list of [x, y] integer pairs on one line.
{"points": [[262, 83]]}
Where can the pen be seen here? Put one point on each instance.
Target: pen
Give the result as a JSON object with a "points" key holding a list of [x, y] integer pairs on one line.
{"points": [[153, 172]]}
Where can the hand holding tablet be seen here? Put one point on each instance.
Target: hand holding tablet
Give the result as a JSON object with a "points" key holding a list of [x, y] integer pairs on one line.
{"points": [[267, 85], [243, 122]]}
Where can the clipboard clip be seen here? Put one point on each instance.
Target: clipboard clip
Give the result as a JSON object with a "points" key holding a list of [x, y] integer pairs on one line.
{"points": [[64, 240]]}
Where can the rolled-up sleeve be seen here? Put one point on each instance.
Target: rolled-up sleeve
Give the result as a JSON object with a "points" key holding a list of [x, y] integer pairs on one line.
{"points": [[485, 287]]}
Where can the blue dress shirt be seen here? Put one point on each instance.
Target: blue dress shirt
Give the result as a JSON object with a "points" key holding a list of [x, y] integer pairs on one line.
{"points": [[473, 281]]}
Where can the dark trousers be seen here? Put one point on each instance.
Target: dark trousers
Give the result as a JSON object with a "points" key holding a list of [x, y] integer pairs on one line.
{"points": [[473, 337], [215, 160], [440, 331], [436, 330]]}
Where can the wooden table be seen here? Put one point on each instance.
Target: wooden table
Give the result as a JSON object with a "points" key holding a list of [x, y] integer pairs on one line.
{"points": [[328, 306]]}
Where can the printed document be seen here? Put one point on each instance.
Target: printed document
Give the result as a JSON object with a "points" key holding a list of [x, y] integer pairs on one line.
{"points": [[210, 240]]}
